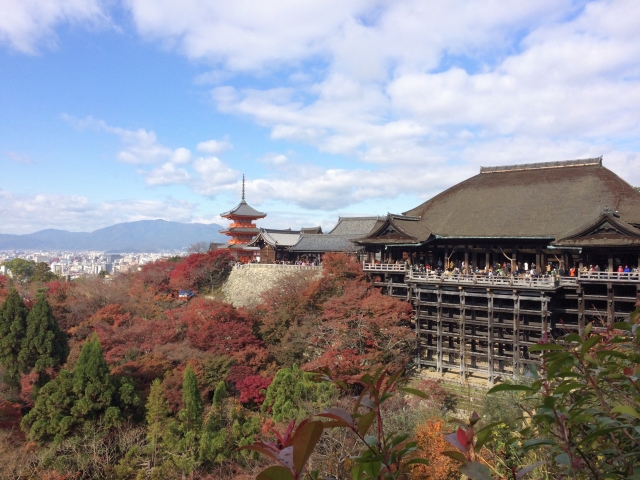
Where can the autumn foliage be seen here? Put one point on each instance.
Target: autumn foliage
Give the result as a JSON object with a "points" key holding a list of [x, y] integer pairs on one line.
{"points": [[141, 330]]}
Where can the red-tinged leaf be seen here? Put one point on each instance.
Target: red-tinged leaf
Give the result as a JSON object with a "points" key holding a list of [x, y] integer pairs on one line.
{"points": [[462, 437], [413, 391], [452, 438], [287, 434], [285, 457], [393, 378], [333, 423], [455, 455], [338, 414], [304, 442], [474, 418], [365, 421], [527, 469], [261, 449], [469, 434], [275, 473], [476, 471]]}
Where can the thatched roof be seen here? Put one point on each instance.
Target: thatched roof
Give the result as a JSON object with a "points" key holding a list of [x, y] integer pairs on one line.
{"points": [[542, 201]]}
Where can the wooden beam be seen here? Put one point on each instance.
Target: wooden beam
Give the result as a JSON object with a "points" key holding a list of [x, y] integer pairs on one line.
{"points": [[463, 342], [439, 331], [490, 331]]}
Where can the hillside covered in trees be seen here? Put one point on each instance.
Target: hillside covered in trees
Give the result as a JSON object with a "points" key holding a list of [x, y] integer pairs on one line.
{"points": [[120, 378]]}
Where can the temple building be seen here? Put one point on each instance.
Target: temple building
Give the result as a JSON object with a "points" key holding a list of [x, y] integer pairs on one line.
{"points": [[274, 244], [476, 262], [242, 230]]}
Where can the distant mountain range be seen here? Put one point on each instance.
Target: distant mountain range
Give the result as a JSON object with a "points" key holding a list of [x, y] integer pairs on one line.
{"points": [[141, 236]]}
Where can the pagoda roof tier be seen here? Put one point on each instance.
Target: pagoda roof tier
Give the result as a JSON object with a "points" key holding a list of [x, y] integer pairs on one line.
{"points": [[243, 230], [243, 209]]}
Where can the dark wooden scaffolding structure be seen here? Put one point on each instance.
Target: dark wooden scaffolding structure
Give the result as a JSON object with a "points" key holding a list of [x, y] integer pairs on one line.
{"points": [[472, 323]]}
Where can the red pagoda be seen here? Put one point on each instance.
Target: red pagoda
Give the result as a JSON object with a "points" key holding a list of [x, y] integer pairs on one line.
{"points": [[242, 229]]}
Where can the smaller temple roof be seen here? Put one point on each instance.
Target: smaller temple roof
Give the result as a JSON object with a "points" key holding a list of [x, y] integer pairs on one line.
{"points": [[397, 229], [319, 243], [276, 238], [354, 226], [317, 229], [606, 231]]}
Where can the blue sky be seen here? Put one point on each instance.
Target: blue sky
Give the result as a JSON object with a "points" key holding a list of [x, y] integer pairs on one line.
{"points": [[117, 111]]}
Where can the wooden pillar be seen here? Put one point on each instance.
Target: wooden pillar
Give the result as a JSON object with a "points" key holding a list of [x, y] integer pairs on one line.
{"points": [[487, 260], [610, 304], [474, 260], [490, 346], [516, 333], [539, 258], [544, 312], [490, 338], [514, 254], [466, 259], [463, 342], [418, 333], [581, 318], [445, 261], [439, 331], [610, 267]]}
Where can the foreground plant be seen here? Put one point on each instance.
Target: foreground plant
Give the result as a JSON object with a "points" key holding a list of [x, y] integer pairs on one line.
{"points": [[386, 455], [586, 404]]}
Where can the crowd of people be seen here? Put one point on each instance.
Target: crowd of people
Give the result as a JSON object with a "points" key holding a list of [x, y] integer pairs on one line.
{"points": [[523, 270]]}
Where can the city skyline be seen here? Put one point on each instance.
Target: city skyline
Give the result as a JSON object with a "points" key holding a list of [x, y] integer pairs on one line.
{"points": [[122, 111]]}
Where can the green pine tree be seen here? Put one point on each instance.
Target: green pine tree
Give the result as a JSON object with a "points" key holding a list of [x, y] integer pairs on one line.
{"points": [[289, 389], [13, 328], [87, 394], [45, 346], [190, 423], [219, 394], [93, 384], [191, 413], [157, 416]]}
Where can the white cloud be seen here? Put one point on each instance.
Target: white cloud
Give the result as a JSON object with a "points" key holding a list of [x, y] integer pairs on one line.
{"points": [[214, 176], [28, 213], [421, 93], [273, 158], [26, 24], [166, 174], [18, 157], [214, 147]]}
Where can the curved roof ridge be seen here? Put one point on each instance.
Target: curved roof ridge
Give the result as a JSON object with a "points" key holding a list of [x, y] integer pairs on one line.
{"points": [[537, 166]]}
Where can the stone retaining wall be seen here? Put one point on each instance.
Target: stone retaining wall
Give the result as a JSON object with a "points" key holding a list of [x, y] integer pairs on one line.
{"points": [[245, 285]]}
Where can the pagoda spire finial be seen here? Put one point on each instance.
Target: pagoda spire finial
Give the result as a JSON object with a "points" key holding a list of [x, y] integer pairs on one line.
{"points": [[243, 186]]}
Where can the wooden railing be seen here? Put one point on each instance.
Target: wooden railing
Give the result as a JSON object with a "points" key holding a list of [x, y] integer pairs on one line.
{"points": [[609, 276], [384, 267], [275, 266], [541, 281], [531, 282]]}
